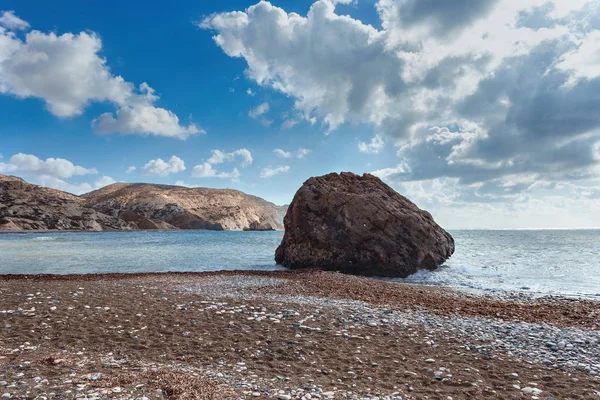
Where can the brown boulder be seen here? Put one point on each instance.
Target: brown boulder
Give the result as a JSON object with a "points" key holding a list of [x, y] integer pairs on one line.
{"points": [[258, 226], [359, 225]]}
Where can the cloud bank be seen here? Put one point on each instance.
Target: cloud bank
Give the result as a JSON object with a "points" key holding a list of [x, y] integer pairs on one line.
{"points": [[494, 100]]}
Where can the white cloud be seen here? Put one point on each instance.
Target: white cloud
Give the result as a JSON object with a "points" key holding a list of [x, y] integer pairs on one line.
{"points": [[159, 167], [67, 73], [219, 157], [331, 77], [390, 172], [584, 61], [269, 172], [9, 20], [257, 113], [300, 153], [206, 171], [259, 110], [250, 92], [28, 164], [59, 184], [375, 146], [203, 171], [186, 184], [145, 119], [290, 123], [104, 181], [51, 172], [131, 169], [282, 154]]}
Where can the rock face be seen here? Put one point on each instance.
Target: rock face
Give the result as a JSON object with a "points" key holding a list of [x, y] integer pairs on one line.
{"points": [[152, 206], [359, 225], [257, 226], [127, 206], [24, 206]]}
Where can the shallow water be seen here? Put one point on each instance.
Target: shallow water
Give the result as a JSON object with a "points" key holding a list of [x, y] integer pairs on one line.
{"points": [[543, 262], [565, 262], [140, 251]]}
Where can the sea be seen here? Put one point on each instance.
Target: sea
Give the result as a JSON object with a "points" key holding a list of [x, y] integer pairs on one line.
{"points": [[538, 262]]}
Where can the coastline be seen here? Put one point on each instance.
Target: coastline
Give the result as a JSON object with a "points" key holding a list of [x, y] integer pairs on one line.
{"points": [[242, 334]]}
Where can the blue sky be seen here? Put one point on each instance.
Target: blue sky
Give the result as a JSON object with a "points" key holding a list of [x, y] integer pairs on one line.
{"points": [[259, 97]]}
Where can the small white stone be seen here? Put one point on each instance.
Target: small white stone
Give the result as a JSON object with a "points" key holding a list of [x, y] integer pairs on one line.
{"points": [[530, 390]]}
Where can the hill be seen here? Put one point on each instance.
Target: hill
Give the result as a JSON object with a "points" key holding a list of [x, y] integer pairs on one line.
{"points": [[125, 206], [24, 206]]}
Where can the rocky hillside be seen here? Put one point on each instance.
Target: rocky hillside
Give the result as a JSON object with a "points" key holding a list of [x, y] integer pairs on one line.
{"points": [[24, 206], [185, 208], [125, 206]]}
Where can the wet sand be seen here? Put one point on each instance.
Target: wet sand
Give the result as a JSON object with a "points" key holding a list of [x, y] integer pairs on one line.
{"points": [[242, 335]]}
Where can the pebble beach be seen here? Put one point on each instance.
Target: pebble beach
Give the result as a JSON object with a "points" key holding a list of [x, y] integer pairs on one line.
{"points": [[288, 335]]}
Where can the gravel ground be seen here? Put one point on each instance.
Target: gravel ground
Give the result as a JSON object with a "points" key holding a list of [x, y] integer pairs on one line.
{"points": [[287, 336]]}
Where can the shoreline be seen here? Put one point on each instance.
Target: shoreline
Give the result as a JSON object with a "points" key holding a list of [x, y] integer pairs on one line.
{"points": [[499, 294], [282, 334], [444, 300]]}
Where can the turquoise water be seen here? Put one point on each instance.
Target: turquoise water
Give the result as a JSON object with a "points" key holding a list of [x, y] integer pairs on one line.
{"points": [[544, 262], [565, 262], [141, 251]]}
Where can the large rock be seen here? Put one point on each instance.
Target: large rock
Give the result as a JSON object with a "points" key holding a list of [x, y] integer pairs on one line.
{"points": [[359, 225]]}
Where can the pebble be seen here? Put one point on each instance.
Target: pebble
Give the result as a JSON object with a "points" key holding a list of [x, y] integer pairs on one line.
{"points": [[534, 344], [531, 390]]}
